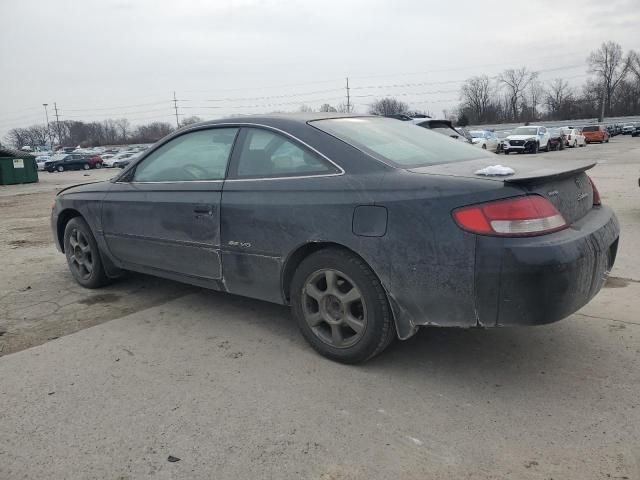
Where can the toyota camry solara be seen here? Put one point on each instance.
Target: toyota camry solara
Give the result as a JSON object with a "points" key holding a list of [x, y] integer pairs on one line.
{"points": [[367, 227]]}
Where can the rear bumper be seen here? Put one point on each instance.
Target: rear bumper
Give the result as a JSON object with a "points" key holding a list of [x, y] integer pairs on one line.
{"points": [[538, 280]]}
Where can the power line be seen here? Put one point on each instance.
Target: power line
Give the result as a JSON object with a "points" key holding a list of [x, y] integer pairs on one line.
{"points": [[175, 105]]}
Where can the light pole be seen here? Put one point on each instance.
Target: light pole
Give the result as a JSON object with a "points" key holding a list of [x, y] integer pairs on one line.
{"points": [[46, 114]]}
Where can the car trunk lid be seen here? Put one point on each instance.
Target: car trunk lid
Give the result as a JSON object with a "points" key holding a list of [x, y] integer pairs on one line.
{"points": [[565, 184]]}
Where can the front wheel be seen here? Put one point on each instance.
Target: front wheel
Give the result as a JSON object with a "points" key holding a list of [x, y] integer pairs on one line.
{"points": [[83, 256], [506, 152], [536, 148], [484, 147], [341, 307], [60, 168]]}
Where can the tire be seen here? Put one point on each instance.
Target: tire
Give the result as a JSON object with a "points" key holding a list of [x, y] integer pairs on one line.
{"points": [[86, 166], [607, 140], [506, 152], [484, 147], [321, 315], [536, 148], [575, 143], [83, 255], [98, 165], [60, 168]]}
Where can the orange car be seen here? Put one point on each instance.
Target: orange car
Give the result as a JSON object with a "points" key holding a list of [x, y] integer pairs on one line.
{"points": [[595, 133]]}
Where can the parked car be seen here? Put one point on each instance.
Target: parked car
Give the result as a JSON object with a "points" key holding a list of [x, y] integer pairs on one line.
{"points": [[557, 139], [528, 139], [574, 137], [628, 128], [636, 132], [445, 127], [41, 160], [502, 136], [367, 226], [123, 162], [484, 139], [112, 161], [595, 133], [62, 161], [94, 160]]}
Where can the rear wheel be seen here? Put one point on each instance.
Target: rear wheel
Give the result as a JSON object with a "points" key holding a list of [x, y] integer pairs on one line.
{"points": [[575, 143], [98, 165], [83, 256], [341, 307], [86, 166], [484, 147], [506, 152]]}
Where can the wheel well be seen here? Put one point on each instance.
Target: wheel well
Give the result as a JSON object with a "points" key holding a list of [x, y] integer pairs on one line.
{"points": [[63, 219], [296, 258]]}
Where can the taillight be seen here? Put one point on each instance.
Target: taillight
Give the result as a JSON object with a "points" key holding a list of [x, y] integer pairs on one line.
{"points": [[596, 194], [512, 217]]}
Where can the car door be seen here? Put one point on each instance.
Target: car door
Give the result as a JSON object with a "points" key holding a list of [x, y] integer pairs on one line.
{"points": [[274, 198], [543, 134], [164, 216]]}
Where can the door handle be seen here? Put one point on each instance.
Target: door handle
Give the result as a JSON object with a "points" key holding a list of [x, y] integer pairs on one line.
{"points": [[204, 209]]}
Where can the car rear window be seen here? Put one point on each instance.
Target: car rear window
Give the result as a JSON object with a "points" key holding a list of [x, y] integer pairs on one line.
{"points": [[593, 128], [396, 143]]}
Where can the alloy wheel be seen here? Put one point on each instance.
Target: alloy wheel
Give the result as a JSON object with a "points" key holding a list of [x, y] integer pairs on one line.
{"points": [[80, 257], [334, 308]]}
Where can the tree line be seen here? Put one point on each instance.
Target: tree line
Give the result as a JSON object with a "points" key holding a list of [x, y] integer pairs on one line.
{"points": [[71, 133], [518, 95]]}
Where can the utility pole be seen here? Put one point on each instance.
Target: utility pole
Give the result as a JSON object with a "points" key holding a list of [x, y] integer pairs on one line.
{"points": [[175, 106], [46, 115], [348, 98], [55, 106], [602, 109]]}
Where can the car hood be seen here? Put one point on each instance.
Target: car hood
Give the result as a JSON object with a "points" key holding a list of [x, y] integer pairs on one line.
{"points": [[520, 137], [477, 140], [525, 169]]}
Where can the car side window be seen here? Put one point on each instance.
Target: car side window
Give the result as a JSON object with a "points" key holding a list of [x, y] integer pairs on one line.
{"points": [[195, 156], [269, 154], [543, 130]]}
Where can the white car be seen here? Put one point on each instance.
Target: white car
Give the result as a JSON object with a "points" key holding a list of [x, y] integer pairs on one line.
{"points": [[628, 129], [530, 139], [485, 139], [41, 159], [110, 161], [574, 137]]}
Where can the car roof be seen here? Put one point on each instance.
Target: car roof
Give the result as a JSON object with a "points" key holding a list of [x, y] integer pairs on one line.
{"points": [[279, 118]]}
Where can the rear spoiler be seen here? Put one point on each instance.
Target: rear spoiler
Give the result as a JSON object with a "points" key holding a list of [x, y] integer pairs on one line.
{"points": [[549, 172]]}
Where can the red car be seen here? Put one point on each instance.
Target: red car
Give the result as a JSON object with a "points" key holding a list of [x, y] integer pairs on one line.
{"points": [[95, 161], [595, 133]]}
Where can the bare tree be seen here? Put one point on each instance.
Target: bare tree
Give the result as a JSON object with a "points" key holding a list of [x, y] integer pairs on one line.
{"points": [[305, 109], [190, 120], [634, 64], [344, 108], [476, 95], [124, 128], [388, 106], [325, 107], [610, 68], [536, 90], [556, 95], [516, 82]]}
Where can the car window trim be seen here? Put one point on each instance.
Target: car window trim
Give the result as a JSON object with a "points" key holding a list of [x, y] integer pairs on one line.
{"points": [[241, 139], [131, 172], [238, 125]]}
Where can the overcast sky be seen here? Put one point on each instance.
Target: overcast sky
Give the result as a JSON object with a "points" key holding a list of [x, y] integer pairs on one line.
{"points": [[104, 58]]}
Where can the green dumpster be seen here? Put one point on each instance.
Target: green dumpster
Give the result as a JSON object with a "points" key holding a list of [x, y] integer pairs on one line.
{"points": [[17, 167]]}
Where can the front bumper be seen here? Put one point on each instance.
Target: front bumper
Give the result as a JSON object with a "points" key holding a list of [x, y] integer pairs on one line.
{"points": [[526, 147], [538, 280]]}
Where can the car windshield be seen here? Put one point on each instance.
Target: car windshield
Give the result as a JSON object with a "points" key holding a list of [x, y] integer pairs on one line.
{"points": [[591, 128], [477, 134], [555, 131], [398, 143], [525, 131]]}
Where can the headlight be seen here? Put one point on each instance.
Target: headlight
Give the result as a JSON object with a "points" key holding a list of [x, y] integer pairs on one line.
{"points": [[532, 139]]}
